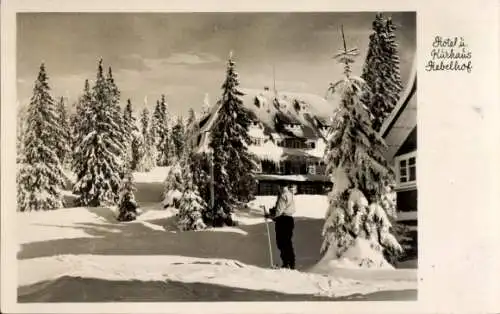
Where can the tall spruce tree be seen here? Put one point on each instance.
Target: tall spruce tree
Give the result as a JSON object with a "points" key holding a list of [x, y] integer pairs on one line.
{"points": [[357, 227], [131, 130], [156, 128], [192, 206], [20, 131], [191, 129], [179, 137], [233, 165], [381, 71], [119, 126], [40, 176], [165, 144], [64, 143], [144, 146], [99, 164], [81, 123], [129, 120]]}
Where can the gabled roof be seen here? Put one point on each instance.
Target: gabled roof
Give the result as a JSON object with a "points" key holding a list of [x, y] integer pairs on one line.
{"points": [[273, 116], [403, 118]]}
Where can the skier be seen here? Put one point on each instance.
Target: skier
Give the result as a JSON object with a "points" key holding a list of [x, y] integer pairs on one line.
{"points": [[282, 214]]}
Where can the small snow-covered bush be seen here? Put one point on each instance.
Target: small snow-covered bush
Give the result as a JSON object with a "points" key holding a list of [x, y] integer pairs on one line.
{"points": [[174, 186], [127, 206]]}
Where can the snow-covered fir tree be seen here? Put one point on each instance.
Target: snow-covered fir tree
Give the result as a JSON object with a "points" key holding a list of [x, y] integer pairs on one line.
{"points": [[119, 126], [130, 127], [80, 123], [144, 146], [137, 153], [381, 71], [64, 144], [234, 166], [127, 205], [99, 156], [192, 206], [174, 185], [165, 144], [179, 137], [20, 130], [40, 176], [80, 127], [191, 129], [156, 127], [357, 228], [129, 121]]}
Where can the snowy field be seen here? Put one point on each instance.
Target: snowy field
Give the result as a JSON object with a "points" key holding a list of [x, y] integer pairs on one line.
{"points": [[63, 251]]}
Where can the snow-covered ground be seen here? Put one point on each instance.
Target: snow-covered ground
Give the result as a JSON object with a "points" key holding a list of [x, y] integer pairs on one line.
{"points": [[90, 243]]}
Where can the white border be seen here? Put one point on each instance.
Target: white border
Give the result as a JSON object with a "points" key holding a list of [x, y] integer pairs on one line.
{"points": [[457, 263]]}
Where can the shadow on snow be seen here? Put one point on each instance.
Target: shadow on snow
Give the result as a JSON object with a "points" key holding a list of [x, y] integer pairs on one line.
{"points": [[135, 238]]}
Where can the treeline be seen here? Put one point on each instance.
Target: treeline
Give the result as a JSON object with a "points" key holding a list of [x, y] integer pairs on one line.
{"points": [[99, 143]]}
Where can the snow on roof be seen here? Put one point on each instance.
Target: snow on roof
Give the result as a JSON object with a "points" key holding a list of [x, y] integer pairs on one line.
{"points": [[293, 177], [261, 105]]}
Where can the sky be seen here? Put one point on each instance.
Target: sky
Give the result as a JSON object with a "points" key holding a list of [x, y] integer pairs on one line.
{"points": [[184, 55]]}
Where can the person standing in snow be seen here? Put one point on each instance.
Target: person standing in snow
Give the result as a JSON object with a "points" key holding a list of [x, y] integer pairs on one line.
{"points": [[282, 214]]}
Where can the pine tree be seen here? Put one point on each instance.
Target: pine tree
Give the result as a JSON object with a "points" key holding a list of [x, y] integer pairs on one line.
{"points": [[179, 137], [99, 156], [191, 128], [120, 128], [165, 144], [174, 184], [40, 177], [130, 128], [20, 130], [127, 205], [64, 143], [234, 166], [137, 153], [156, 125], [148, 151], [81, 124], [129, 120], [381, 72], [357, 226], [192, 206]]}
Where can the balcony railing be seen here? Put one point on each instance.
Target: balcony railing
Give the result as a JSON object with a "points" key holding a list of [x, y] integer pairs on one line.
{"points": [[292, 168]]}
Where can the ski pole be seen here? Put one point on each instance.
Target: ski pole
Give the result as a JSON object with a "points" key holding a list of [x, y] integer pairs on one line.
{"points": [[268, 239]]}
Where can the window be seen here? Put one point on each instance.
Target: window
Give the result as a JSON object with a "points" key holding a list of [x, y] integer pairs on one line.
{"points": [[268, 188], [406, 169], [255, 141], [281, 167], [312, 169]]}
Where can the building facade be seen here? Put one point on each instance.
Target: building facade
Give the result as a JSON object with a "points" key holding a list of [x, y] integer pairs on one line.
{"points": [[400, 134], [288, 135]]}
